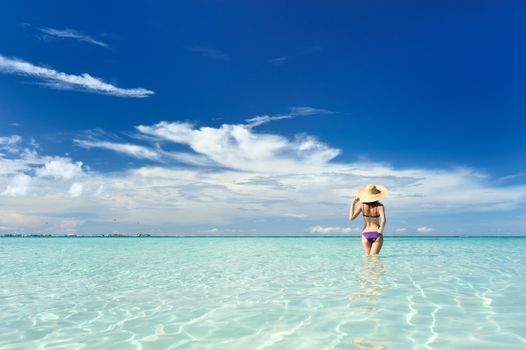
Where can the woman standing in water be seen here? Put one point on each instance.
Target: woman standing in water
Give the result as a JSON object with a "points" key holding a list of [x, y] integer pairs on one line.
{"points": [[373, 215]]}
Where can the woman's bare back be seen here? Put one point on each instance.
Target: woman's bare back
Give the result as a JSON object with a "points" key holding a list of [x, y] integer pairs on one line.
{"points": [[371, 216]]}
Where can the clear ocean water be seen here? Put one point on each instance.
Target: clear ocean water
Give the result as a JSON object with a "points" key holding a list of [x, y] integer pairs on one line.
{"points": [[262, 293]]}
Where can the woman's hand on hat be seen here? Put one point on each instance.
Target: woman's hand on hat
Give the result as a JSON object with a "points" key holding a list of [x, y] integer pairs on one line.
{"points": [[356, 199]]}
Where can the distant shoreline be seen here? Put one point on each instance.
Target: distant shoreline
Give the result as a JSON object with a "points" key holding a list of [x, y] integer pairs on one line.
{"points": [[241, 236]]}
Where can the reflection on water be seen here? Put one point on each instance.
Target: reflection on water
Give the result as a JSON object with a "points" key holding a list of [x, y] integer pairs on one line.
{"points": [[369, 344], [270, 293], [366, 298], [369, 279]]}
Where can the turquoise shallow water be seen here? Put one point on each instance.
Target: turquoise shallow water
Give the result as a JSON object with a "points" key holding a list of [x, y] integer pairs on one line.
{"points": [[262, 293]]}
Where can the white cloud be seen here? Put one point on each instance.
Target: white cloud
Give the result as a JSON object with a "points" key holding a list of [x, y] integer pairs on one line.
{"points": [[255, 121], [19, 186], [238, 147], [72, 34], [13, 219], [294, 112], [76, 189], [125, 148], [235, 174], [70, 224], [143, 152], [191, 159], [9, 141], [293, 215], [60, 168], [64, 81], [331, 229], [10, 144], [12, 166], [401, 229], [511, 177], [424, 229], [305, 110]]}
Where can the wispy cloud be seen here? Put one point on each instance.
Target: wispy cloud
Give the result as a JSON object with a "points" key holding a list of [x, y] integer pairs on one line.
{"points": [[125, 148], [18, 186], [305, 110], [511, 177], [210, 53], [262, 119], [10, 143], [64, 81], [10, 140], [72, 34], [239, 147], [143, 152], [293, 112], [424, 229], [279, 61], [332, 229]]}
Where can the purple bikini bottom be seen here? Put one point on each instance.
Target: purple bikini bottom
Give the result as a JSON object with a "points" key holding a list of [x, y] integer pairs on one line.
{"points": [[371, 236]]}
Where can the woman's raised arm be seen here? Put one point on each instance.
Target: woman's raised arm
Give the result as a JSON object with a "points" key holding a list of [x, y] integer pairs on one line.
{"points": [[352, 214]]}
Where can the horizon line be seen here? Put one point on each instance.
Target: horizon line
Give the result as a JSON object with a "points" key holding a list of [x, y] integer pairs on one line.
{"points": [[30, 235]]}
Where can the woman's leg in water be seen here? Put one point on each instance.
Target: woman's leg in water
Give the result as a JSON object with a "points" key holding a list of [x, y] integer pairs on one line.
{"points": [[366, 245], [377, 245]]}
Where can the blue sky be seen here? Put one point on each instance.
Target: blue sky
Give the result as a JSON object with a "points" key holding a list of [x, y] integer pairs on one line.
{"points": [[261, 117]]}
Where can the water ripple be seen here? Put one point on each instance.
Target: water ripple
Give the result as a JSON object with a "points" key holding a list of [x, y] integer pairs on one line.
{"points": [[261, 293]]}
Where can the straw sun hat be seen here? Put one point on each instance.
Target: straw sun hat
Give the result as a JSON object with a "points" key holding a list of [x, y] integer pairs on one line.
{"points": [[371, 193]]}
